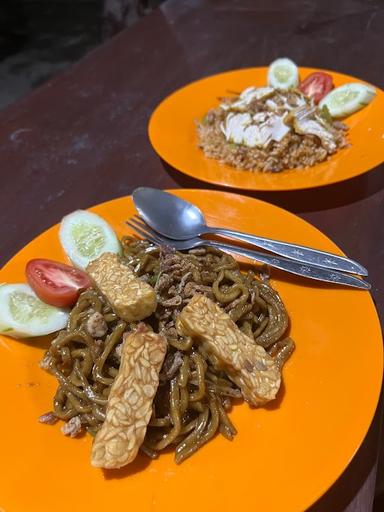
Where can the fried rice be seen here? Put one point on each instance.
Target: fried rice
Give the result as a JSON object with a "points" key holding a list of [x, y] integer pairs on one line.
{"points": [[294, 150]]}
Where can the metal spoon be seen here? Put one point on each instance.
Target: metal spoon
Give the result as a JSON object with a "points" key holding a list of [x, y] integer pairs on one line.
{"points": [[178, 219]]}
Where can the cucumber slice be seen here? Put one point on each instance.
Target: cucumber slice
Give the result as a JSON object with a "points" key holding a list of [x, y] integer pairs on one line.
{"points": [[85, 236], [347, 99], [23, 314], [283, 74]]}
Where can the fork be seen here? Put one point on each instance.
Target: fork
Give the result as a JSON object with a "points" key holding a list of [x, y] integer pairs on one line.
{"points": [[285, 264]]}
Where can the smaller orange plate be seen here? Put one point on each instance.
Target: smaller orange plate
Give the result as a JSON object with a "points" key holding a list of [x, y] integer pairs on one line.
{"points": [[172, 132]]}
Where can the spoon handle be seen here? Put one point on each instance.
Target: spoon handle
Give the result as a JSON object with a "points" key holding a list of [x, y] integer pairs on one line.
{"points": [[294, 267], [295, 252]]}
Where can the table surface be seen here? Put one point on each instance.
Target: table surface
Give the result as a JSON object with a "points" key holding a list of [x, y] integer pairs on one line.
{"points": [[82, 138]]}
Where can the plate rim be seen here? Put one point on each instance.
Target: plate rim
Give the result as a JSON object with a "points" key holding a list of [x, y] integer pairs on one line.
{"points": [[260, 188]]}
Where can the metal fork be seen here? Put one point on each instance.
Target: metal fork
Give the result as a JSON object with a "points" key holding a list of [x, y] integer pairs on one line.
{"points": [[291, 266]]}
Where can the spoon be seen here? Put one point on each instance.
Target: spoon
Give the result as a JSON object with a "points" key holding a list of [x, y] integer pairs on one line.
{"points": [[178, 219]]}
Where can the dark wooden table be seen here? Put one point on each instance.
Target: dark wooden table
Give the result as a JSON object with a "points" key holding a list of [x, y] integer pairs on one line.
{"points": [[82, 138]]}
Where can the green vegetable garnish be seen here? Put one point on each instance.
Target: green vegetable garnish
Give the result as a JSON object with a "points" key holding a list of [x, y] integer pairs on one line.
{"points": [[325, 114]]}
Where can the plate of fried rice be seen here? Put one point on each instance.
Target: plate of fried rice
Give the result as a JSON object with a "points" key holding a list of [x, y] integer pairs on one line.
{"points": [[236, 130]]}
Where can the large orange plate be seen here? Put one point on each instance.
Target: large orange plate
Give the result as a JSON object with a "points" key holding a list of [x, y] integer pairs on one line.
{"points": [[284, 456], [172, 131]]}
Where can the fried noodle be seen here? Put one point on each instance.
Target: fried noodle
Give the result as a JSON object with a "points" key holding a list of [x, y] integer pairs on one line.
{"points": [[193, 398]]}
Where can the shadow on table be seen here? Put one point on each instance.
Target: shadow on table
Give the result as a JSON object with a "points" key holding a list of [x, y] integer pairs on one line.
{"points": [[378, 505], [301, 201]]}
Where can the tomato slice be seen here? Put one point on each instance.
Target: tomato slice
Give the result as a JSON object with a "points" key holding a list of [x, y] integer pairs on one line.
{"points": [[55, 283], [317, 85]]}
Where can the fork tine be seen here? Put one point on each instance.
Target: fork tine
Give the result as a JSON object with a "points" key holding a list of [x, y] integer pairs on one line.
{"points": [[144, 228], [140, 223], [147, 232], [136, 228], [143, 233]]}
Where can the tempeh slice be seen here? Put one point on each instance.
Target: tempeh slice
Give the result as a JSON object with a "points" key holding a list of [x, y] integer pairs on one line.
{"points": [[131, 298], [129, 407], [249, 366]]}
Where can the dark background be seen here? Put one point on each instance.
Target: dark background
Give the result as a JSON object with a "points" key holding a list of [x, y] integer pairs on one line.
{"points": [[39, 38]]}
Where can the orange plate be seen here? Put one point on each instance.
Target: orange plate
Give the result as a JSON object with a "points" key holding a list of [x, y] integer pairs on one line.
{"points": [[284, 456], [172, 131]]}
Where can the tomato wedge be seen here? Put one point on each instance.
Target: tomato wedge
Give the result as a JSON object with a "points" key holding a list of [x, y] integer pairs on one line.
{"points": [[55, 283], [317, 85]]}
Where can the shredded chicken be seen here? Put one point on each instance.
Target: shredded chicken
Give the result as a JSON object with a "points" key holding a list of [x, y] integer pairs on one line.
{"points": [[118, 350], [45, 362], [96, 325], [73, 427], [171, 365], [49, 418]]}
